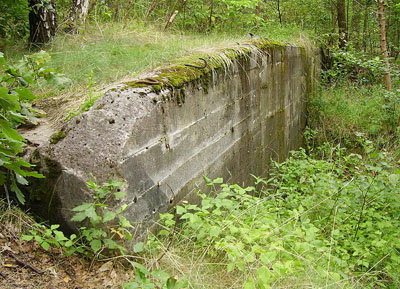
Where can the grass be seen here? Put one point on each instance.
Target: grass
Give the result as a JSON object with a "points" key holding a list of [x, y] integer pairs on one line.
{"points": [[116, 50], [102, 54], [343, 112]]}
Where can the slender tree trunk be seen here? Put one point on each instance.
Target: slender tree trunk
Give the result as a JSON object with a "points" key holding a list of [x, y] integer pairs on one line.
{"points": [[334, 20], [210, 20], [383, 42], [278, 8], [365, 26], [91, 6], [355, 23], [79, 11], [173, 15], [151, 8], [258, 11], [341, 15]]}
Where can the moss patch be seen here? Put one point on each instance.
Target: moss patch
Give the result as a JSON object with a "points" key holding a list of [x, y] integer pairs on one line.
{"points": [[55, 138], [179, 74]]}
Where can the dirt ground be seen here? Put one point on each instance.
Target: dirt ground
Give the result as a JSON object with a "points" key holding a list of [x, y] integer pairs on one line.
{"points": [[27, 265]]}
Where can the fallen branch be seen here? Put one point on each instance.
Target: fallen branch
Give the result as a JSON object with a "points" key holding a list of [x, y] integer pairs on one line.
{"points": [[22, 263], [10, 281]]}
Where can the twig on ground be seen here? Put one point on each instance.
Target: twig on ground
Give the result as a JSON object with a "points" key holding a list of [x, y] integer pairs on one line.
{"points": [[10, 281], [22, 263]]}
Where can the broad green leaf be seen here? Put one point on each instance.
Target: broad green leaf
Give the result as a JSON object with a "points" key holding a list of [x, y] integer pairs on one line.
{"points": [[138, 247], [124, 222], [393, 179], [9, 132], [160, 275], [79, 217], [95, 245], [214, 231], [45, 246], [18, 193], [108, 216], [119, 195], [111, 244], [268, 257], [171, 282], [25, 94], [140, 267], [21, 180], [59, 236], [9, 101], [82, 207], [27, 238]]}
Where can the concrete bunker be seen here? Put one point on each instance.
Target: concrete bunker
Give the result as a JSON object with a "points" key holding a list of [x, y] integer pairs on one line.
{"points": [[163, 133]]}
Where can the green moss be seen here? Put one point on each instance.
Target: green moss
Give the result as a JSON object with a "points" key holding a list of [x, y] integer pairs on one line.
{"points": [[55, 138], [263, 44], [100, 106], [177, 75], [134, 84]]}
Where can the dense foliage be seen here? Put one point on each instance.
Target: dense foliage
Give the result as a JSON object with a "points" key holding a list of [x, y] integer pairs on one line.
{"points": [[15, 109], [334, 219]]}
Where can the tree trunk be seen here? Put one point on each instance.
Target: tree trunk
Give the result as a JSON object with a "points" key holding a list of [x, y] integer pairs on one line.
{"points": [[278, 8], [383, 42], [258, 11], [341, 16], [79, 11], [355, 23], [210, 20], [42, 21], [334, 20], [365, 26]]}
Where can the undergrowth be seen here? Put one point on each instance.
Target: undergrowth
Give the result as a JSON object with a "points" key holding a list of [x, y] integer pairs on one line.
{"points": [[329, 223]]}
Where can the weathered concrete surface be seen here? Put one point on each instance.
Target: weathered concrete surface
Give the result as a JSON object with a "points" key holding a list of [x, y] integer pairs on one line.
{"points": [[246, 113]]}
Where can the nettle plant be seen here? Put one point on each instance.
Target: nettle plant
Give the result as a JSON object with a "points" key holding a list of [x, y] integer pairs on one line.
{"points": [[50, 237], [156, 279], [105, 226]]}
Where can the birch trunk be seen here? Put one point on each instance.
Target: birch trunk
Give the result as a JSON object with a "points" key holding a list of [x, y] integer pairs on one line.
{"points": [[42, 21]]}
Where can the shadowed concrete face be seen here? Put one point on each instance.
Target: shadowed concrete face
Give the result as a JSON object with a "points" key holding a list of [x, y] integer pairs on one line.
{"points": [[161, 144]]}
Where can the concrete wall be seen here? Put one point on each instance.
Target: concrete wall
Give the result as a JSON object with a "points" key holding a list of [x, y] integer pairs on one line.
{"points": [[228, 124]]}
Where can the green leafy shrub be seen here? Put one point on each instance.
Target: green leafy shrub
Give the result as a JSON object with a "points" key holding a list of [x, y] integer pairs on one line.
{"points": [[157, 279], [347, 65], [105, 225], [48, 237], [14, 18], [15, 109], [335, 219]]}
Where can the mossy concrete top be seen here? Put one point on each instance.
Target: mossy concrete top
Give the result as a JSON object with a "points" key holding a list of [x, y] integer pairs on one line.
{"points": [[189, 68]]}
